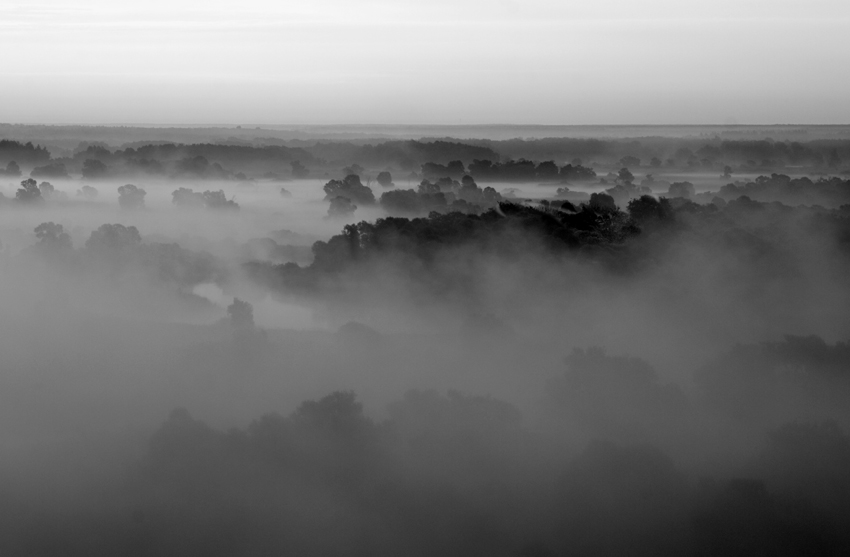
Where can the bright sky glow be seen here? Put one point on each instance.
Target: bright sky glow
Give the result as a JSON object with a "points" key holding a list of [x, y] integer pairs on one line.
{"points": [[404, 61]]}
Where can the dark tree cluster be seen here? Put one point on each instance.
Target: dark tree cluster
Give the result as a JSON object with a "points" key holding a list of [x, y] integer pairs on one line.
{"points": [[29, 192], [828, 192], [681, 189], [697, 154], [523, 170], [52, 170], [22, 153], [779, 153], [415, 245], [385, 179], [406, 155], [341, 207], [94, 169], [625, 190], [444, 195], [351, 189], [200, 167], [12, 170], [753, 237], [485, 160], [454, 169], [299, 170], [199, 160]]}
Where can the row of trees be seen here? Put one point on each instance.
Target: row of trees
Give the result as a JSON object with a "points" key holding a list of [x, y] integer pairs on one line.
{"points": [[296, 161], [444, 195], [654, 152], [23, 153], [510, 171], [130, 196], [114, 249], [828, 192]]}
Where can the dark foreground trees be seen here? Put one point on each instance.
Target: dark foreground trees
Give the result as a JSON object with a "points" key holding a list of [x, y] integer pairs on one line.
{"points": [[444, 473]]}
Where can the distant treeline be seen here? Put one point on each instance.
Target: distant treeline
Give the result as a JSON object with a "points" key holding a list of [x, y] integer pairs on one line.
{"points": [[828, 192], [404, 155], [683, 152], [22, 153], [192, 161], [509, 171], [509, 160]]}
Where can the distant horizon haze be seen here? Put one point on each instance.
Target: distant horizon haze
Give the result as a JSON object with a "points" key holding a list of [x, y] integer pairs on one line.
{"points": [[449, 63]]}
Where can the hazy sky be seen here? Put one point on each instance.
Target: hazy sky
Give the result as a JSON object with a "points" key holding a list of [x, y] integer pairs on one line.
{"points": [[435, 61]]}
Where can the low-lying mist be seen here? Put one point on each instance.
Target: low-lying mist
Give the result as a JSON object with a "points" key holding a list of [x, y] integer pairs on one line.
{"points": [[251, 373]]}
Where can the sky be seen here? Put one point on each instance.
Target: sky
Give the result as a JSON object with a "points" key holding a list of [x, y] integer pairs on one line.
{"points": [[418, 62]]}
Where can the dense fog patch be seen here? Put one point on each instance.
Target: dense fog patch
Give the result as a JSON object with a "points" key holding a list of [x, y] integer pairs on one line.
{"points": [[537, 347]]}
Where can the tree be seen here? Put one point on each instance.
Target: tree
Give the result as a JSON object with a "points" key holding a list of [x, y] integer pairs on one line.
{"points": [[547, 170], [455, 168], [185, 197], [385, 179], [577, 172], [113, 237], [29, 192], [647, 209], [602, 202], [629, 161], [88, 192], [655, 162], [484, 169], [351, 188], [681, 189], [338, 414], [299, 170], [727, 172], [197, 166], [53, 170], [625, 176], [131, 197], [52, 236], [834, 160], [12, 169], [217, 200], [94, 169], [354, 169], [46, 189], [401, 202], [241, 314], [341, 207]]}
